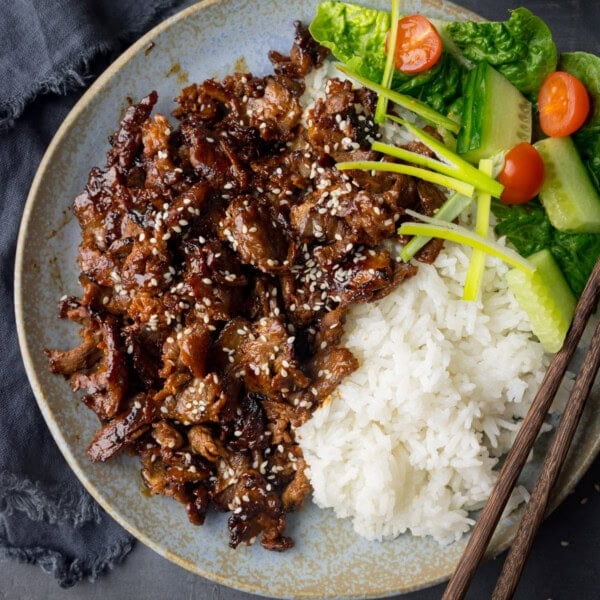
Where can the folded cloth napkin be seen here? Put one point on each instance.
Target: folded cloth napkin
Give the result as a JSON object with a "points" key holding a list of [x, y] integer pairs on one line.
{"points": [[49, 50]]}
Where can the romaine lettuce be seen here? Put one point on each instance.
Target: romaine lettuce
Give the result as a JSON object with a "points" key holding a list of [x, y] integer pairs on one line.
{"points": [[439, 87], [529, 230], [521, 48], [356, 36]]}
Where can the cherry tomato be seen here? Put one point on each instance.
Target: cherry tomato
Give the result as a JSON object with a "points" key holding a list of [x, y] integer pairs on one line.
{"points": [[418, 44], [522, 175], [564, 104]]}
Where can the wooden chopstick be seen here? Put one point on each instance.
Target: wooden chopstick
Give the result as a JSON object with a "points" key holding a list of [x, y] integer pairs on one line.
{"points": [[516, 457], [555, 457]]}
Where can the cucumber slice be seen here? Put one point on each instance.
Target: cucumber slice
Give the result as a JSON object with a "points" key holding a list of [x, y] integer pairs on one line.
{"points": [[546, 298], [568, 194], [496, 116]]}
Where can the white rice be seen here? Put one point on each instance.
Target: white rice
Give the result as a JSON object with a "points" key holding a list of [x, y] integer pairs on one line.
{"points": [[410, 440]]}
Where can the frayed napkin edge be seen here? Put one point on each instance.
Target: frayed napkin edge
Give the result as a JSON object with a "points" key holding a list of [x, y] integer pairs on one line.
{"points": [[70, 505], [75, 74], [66, 570]]}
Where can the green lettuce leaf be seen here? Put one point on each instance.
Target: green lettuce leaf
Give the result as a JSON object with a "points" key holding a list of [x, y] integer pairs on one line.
{"points": [[528, 229], [586, 67], [521, 48], [356, 36], [439, 87]]}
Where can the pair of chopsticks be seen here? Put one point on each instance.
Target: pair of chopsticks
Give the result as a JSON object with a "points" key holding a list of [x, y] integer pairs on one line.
{"points": [[555, 457]]}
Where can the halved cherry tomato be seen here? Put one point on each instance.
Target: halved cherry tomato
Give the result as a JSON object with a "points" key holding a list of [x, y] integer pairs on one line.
{"points": [[564, 104], [522, 175], [418, 45]]}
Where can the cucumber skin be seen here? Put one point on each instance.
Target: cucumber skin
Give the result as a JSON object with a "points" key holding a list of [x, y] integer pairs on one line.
{"points": [[568, 194], [469, 136], [546, 298], [487, 128]]}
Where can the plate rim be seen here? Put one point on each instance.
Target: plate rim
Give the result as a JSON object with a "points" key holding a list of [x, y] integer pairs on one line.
{"points": [[38, 391]]}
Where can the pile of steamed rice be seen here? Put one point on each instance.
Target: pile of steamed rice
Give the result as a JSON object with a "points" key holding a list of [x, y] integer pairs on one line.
{"points": [[410, 440]]}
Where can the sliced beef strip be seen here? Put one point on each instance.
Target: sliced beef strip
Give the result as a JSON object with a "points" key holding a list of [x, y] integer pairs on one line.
{"points": [[305, 54], [127, 141], [256, 233], [107, 382], [123, 429], [267, 357], [261, 512]]}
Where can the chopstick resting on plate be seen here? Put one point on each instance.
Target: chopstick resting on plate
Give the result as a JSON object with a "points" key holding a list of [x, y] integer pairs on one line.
{"points": [[517, 456]]}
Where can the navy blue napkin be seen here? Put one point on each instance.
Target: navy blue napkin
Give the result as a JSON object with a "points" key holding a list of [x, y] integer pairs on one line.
{"points": [[49, 51]]}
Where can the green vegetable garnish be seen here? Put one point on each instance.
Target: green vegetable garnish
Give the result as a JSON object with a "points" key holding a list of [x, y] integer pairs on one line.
{"points": [[371, 165], [461, 235], [529, 230], [416, 158], [568, 194], [451, 209], [419, 108], [482, 224], [495, 117], [388, 71], [521, 48], [354, 34], [462, 169], [439, 87]]}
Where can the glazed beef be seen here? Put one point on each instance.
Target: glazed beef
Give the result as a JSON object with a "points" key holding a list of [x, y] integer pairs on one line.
{"points": [[218, 259]]}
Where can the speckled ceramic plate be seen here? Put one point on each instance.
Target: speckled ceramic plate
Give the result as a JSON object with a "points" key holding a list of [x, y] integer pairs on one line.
{"points": [[329, 560]]}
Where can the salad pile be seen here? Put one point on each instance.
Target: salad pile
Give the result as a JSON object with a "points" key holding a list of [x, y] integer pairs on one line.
{"points": [[517, 135]]}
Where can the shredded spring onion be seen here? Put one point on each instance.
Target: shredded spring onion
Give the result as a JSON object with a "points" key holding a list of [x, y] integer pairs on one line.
{"points": [[388, 70], [453, 207], [419, 108], [466, 189], [460, 168], [482, 224], [455, 233]]}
